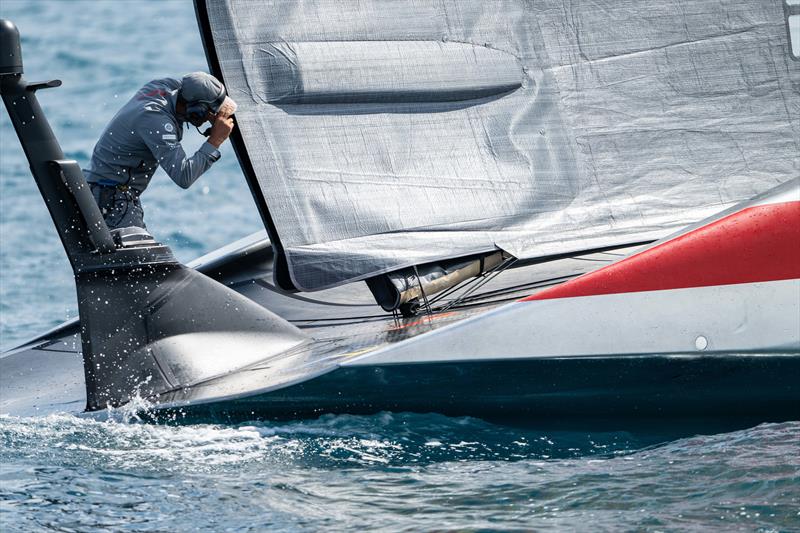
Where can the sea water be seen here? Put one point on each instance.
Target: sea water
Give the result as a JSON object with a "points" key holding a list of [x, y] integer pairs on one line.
{"points": [[382, 472]]}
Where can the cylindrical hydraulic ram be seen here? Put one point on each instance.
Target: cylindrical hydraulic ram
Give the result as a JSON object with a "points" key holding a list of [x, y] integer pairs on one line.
{"points": [[473, 269]]}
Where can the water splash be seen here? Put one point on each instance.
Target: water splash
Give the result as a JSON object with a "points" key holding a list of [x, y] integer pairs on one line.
{"points": [[385, 472], [392, 471]]}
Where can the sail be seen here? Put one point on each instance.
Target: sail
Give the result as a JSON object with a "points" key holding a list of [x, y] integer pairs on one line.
{"points": [[379, 134]]}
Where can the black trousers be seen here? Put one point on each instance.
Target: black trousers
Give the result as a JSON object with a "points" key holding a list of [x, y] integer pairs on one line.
{"points": [[121, 209]]}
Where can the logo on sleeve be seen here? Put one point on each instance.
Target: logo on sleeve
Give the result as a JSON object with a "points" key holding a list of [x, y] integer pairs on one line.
{"points": [[169, 127]]}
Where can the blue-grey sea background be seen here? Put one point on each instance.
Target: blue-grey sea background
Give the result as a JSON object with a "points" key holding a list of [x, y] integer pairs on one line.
{"points": [[382, 472]]}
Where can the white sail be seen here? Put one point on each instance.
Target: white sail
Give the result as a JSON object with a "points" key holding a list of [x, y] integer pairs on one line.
{"points": [[379, 134]]}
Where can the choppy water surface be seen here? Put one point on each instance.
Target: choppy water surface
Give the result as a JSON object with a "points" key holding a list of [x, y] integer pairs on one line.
{"points": [[388, 471]]}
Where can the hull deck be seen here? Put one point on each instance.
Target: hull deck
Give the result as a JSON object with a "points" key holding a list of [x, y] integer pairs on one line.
{"points": [[345, 325]]}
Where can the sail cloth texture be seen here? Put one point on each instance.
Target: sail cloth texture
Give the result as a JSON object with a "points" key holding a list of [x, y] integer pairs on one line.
{"points": [[389, 133]]}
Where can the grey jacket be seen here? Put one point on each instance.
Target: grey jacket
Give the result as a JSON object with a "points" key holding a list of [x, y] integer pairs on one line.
{"points": [[144, 134]]}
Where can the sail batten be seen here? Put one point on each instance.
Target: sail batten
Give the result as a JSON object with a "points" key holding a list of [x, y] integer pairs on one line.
{"points": [[386, 134], [353, 72]]}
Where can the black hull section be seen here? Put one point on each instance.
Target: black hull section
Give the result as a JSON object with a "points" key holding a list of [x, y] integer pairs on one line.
{"points": [[610, 393]]}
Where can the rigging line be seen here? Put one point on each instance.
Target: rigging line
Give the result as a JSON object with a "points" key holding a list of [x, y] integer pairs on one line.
{"points": [[479, 300], [486, 278], [480, 305], [422, 290], [479, 281], [593, 259], [471, 302], [570, 255], [461, 284], [340, 319], [491, 275], [451, 290], [521, 263], [549, 282], [546, 282]]}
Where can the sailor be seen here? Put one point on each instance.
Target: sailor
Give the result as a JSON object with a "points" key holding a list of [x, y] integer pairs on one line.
{"points": [[146, 133]]}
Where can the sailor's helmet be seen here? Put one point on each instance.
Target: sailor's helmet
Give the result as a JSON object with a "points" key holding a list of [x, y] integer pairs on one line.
{"points": [[202, 91]]}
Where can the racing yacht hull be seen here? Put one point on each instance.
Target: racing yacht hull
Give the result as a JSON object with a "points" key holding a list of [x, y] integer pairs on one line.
{"points": [[702, 324], [537, 346]]}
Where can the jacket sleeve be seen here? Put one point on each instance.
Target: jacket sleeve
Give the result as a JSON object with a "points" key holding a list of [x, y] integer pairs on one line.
{"points": [[160, 135]]}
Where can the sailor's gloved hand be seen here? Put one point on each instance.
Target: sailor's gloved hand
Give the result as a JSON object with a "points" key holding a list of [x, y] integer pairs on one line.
{"points": [[221, 128]]}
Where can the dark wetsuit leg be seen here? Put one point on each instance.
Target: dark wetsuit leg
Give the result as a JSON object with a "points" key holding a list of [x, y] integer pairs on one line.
{"points": [[120, 209]]}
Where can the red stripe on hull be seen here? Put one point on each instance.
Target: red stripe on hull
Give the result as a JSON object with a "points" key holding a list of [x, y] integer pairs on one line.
{"points": [[760, 243]]}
